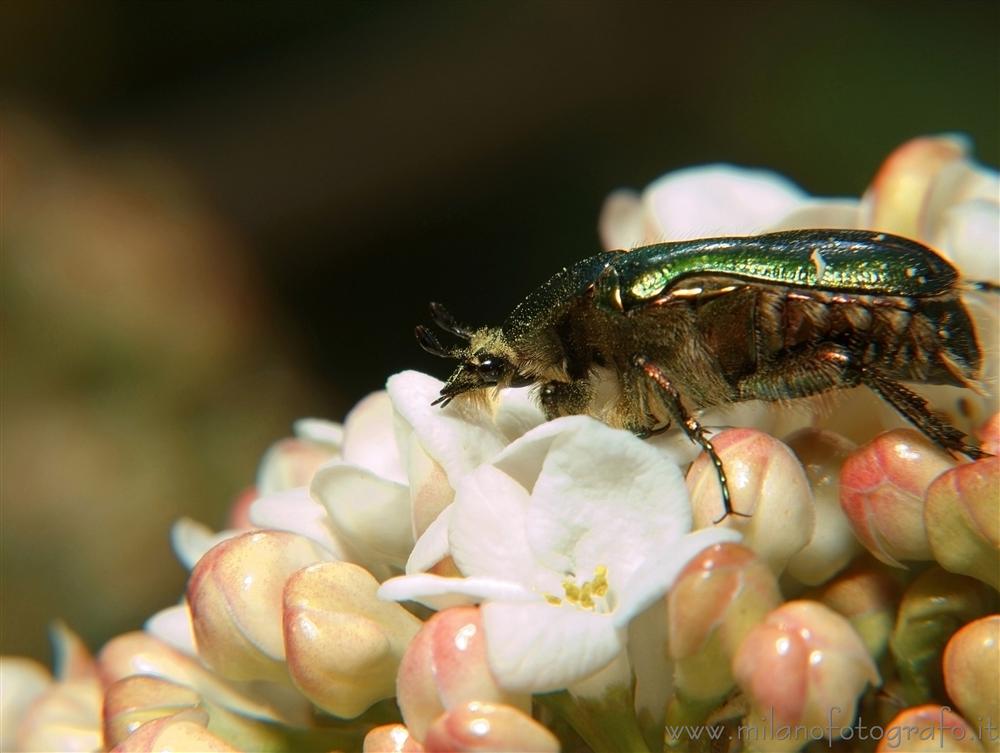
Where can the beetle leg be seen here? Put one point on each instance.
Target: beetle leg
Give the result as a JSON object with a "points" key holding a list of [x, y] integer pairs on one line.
{"points": [[914, 409], [694, 430], [565, 398], [807, 373]]}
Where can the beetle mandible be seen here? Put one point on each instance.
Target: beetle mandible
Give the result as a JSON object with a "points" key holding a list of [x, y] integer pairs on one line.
{"points": [[674, 328]]}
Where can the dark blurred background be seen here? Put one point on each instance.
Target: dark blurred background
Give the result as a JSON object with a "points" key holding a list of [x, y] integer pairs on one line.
{"points": [[219, 216]]}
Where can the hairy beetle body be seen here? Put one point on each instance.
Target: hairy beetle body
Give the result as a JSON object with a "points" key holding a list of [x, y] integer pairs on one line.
{"points": [[640, 339]]}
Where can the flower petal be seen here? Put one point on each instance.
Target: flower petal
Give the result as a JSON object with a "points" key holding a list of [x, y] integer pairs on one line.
{"points": [[716, 200], [605, 497], [370, 511], [191, 539], [658, 573], [539, 647], [321, 431], [621, 221], [369, 438], [296, 511], [439, 592], [173, 626], [488, 531], [460, 436], [432, 546]]}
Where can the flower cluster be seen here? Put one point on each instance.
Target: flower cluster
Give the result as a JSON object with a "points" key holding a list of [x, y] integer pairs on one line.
{"points": [[475, 578]]}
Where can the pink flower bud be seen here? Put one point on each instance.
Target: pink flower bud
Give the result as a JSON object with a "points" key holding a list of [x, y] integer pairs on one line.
{"points": [[235, 597], [933, 606], [478, 726], [183, 732], [804, 665], [342, 643], [718, 597], [972, 676], [391, 738], [924, 729], [882, 488], [989, 435], [133, 701], [833, 544], [867, 596], [767, 483], [962, 515], [444, 666]]}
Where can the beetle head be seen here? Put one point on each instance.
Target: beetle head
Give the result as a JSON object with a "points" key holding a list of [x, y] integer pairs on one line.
{"points": [[485, 359]]}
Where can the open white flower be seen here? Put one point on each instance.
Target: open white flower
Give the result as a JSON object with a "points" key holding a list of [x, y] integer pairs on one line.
{"points": [[401, 459], [571, 532]]}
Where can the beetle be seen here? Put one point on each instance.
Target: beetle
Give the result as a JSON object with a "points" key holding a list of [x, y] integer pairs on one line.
{"points": [[646, 338]]}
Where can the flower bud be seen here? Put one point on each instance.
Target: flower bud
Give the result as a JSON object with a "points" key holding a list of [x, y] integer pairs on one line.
{"points": [[133, 701], [444, 666], [342, 643], [924, 729], [882, 488], [833, 544], [989, 435], [141, 654], [804, 665], [235, 597], [867, 596], [962, 515], [291, 462], [24, 680], [718, 597], [391, 738], [62, 715], [478, 726], [972, 676], [183, 732], [765, 482], [934, 605]]}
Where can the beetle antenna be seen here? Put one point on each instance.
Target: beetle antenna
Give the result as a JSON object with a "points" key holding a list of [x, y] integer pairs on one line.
{"points": [[443, 318], [430, 343]]}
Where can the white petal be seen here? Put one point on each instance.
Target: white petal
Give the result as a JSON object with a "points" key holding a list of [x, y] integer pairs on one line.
{"points": [[518, 412], [715, 200], [369, 438], [970, 236], [191, 539], [831, 213], [367, 510], [460, 436], [488, 531], [605, 497], [621, 222], [522, 459], [537, 647], [432, 546], [321, 431], [439, 592], [173, 626], [657, 574], [296, 511]]}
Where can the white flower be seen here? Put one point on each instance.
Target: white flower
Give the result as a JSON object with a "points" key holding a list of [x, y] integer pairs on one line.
{"points": [[401, 459], [572, 531]]}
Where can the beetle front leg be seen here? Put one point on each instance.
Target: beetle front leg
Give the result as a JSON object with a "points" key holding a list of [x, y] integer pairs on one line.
{"points": [[694, 430], [565, 398]]}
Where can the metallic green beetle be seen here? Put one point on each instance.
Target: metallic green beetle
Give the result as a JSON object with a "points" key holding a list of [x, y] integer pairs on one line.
{"points": [[644, 338]]}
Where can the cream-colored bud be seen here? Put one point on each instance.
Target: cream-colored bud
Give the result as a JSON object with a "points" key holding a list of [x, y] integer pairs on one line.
{"points": [[480, 727], [833, 543], [235, 597], [343, 645], [867, 596], [766, 482], [972, 676], [391, 738], [962, 515], [925, 729], [133, 701]]}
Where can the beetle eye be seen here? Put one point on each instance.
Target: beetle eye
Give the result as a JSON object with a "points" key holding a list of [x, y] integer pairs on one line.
{"points": [[491, 370]]}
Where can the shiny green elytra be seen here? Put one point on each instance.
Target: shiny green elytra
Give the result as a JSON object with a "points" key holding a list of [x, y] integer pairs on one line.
{"points": [[644, 338]]}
